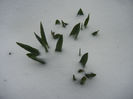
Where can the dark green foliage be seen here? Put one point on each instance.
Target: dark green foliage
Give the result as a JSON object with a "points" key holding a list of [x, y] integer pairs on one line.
{"points": [[34, 57], [59, 44], [74, 78], [84, 59], [83, 80], [55, 36], [29, 48], [41, 42], [91, 75], [86, 21], [95, 33], [57, 22], [80, 70], [43, 37], [64, 24], [75, 31], [80, 12]]}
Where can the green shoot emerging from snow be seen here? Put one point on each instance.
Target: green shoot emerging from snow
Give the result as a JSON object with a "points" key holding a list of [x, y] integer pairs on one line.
{"points": [[42, 42], [95, 33], [29, 48], [86, 21], [83, 80], [59, 44], [91, 75], [32, 56], [84, 59], [43, 37], [55, 36], [75, 31], [57, 22], [64, 24], [80, 12], [33, 52], [74, 78]]}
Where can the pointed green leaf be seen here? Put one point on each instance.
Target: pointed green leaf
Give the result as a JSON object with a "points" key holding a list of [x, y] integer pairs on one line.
{"points": [[75, 31], [29, 48], [83, 80], [57, 22], [32, 56], [91, 75], [95, 33], [86, 21], [64, 24], [43, 37], [84, 59], [41, 42], [74, 78], [59, 44], [80, 12]]}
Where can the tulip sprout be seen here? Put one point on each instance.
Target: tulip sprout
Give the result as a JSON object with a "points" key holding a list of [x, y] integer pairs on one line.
{"points": [[75, 31], [59, 44], [80, 12]]}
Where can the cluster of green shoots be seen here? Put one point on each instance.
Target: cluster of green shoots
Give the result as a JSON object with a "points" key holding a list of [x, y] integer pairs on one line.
{"points": [[34, 53], [85, 76]]}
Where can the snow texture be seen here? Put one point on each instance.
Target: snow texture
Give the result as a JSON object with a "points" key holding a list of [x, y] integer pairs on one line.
{"points": [[110, 53]]}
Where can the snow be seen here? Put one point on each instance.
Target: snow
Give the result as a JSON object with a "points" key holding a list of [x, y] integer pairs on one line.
{"points": [[110, 53]]}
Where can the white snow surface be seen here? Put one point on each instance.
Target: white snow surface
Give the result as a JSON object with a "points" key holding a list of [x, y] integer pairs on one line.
{"points": [[110, 53]]}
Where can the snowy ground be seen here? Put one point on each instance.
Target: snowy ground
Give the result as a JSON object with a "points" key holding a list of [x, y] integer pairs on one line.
{"points": [[110, 53]]}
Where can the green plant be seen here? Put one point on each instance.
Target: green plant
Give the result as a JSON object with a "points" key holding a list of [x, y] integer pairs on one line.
{"points": [[80, 12], [75, 31], [59, 44], [43, 37], [86, 21], [29, 48], [74, 78], [83, 80], [95, 33], [91, 75], [34, 57], [85, 75], [64, 24], [57, 22], [84, 59], [33, 52], [55, 36], [41, 42]]}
